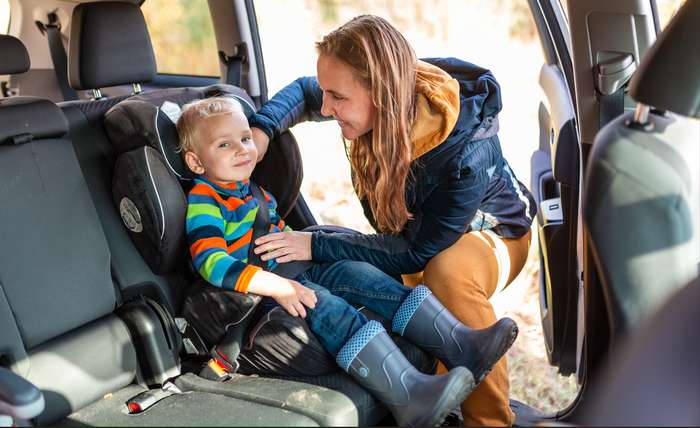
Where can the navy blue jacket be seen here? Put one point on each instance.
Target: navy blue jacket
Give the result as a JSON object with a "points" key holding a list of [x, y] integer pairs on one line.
{"points": [[464, 184]]}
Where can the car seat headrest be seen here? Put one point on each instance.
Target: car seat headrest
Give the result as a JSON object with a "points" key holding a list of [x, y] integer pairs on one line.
{"points": [[109, 46], [149, 120], [668, 77], [23, 119], [15, 56]]}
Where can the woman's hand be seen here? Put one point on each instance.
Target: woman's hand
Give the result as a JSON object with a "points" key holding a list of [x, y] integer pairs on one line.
{"points": [[284, 246], [261, 141]]}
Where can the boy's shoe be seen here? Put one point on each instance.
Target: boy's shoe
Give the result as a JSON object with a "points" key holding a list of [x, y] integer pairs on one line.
{"points": [[414, 398]]}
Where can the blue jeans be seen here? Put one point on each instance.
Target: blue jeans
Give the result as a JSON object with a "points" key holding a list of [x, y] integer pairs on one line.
{"points": [[339, 286]]}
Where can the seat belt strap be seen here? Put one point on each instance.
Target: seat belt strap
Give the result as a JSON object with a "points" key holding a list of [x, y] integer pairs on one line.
{"points": [[261, 226], [610, 106], [58, 56], [234, 65]]}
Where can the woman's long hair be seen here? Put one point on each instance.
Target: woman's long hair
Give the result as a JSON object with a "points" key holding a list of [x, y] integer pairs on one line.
{"points": [[385, 64]]}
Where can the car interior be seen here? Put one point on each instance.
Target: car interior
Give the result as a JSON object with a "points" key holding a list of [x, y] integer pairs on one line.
{"points": [[94, 267]]}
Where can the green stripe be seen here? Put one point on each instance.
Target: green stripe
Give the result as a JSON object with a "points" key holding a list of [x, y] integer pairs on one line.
{"points": [[208, 266], [249, 218], [194, 210]]}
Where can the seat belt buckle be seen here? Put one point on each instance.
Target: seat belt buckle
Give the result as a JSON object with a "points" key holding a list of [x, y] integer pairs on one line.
{"points": [[215, 370], [142, 401]]}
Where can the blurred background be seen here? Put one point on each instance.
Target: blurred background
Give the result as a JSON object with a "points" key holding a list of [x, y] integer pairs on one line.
{"points": [[495, 34]]}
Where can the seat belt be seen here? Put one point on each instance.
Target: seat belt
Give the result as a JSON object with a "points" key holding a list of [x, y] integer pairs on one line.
{"points": [[289, 270], [52, 30], [610, 106], [234, 64], [223, 362], [611, 78], [261, 225]]}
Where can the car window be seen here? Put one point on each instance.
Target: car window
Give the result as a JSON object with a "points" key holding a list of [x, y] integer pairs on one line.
{"points": [[4, 16], [183, 37], [666, 9]]}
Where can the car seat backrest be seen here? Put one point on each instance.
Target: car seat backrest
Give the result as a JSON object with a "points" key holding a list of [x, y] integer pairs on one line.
{"points": [[640, 205], [56, 290], [15, 56], [101, 32], [109, 45]]}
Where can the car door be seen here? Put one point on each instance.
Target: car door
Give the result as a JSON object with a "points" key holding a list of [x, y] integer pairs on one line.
{"points": [[592, 49], [555, 185]]}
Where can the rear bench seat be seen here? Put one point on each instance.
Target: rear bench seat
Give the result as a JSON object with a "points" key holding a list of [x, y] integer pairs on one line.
{"points": [[93, 65], [57, 296]]}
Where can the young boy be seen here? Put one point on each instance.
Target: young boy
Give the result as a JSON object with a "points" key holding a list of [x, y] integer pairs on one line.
{"points": [[217, 145]]}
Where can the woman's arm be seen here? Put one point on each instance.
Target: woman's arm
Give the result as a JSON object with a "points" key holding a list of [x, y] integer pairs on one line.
{"points": [[299, 101], [446, 214], [445, 217]]}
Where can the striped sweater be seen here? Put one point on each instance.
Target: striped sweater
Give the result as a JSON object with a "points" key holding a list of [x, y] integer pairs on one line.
{"points": [[219, 228]]}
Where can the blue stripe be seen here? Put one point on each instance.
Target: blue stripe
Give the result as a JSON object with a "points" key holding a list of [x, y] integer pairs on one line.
{"points": [[205, 220], [221, 267], [201, 257], [357, 343], [203, 232], [409, 307]]}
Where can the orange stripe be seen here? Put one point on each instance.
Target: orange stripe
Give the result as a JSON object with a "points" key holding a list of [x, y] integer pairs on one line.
{"points": [[206, 243], [240, 242], [244, 278], [232, 203], [205, 190]]}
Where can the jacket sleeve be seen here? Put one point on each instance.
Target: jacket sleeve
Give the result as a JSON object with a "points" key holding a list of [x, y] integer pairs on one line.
{"points": [[299, 101], [444, 218], [205, 237]]}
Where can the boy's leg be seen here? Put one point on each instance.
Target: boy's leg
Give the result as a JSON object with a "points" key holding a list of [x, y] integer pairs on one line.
{"points": [[361, 284], [333, 320]]}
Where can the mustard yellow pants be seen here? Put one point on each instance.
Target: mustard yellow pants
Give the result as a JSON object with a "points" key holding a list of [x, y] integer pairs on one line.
{"points": [[463, 277]]}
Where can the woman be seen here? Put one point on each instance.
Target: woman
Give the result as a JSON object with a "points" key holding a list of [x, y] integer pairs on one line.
{"points": [[428, 169]]}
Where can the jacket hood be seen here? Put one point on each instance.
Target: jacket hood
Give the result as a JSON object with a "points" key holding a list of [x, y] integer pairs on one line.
{"points": [[453, 95]]}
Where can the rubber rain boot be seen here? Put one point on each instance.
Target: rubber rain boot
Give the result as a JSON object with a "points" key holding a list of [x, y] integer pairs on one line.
{"points": [[423, 320], [414, 398]]}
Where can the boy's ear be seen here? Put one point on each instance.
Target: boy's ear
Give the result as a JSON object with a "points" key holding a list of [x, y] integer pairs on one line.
{"points": [[193, 163]]}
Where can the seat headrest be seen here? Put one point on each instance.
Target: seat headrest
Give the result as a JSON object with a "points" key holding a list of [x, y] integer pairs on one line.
{"points": [[109, 46], [15, 58], [668, 76], [23, 119]]}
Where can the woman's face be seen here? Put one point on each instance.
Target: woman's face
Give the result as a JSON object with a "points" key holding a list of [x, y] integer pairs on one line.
{"points": [[344, 97]]}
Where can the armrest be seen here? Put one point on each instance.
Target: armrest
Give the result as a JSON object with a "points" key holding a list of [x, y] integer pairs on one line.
{"points": [[19, 398]]}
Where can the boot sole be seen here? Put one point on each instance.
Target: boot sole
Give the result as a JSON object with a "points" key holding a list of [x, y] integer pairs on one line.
{"points": [[503, 347], [456, 391]]}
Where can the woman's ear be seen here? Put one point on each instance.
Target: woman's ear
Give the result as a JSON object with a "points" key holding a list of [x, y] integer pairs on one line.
{"points": [[193, 163]]}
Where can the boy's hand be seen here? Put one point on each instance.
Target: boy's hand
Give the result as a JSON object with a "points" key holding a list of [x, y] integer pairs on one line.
{"points": [[261, 141], [291, 295], [284, 246], [294, 297]]}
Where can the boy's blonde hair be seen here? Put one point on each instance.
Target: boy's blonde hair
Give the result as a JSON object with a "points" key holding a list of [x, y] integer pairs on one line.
{"points": [[194, 111]]}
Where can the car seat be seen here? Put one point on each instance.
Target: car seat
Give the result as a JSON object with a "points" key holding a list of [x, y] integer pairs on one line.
{"points": [[640, 206]]}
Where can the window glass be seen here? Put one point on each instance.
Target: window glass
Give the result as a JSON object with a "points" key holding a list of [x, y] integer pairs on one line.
{"points": [[565, 8], [667, 8], [4, 16], [183, 36]]}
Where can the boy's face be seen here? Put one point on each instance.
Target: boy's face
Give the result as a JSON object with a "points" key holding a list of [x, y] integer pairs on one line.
{"points": [[224, 148]]}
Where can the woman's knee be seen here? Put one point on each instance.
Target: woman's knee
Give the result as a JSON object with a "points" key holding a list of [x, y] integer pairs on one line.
{"points": [[467, 267]]}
